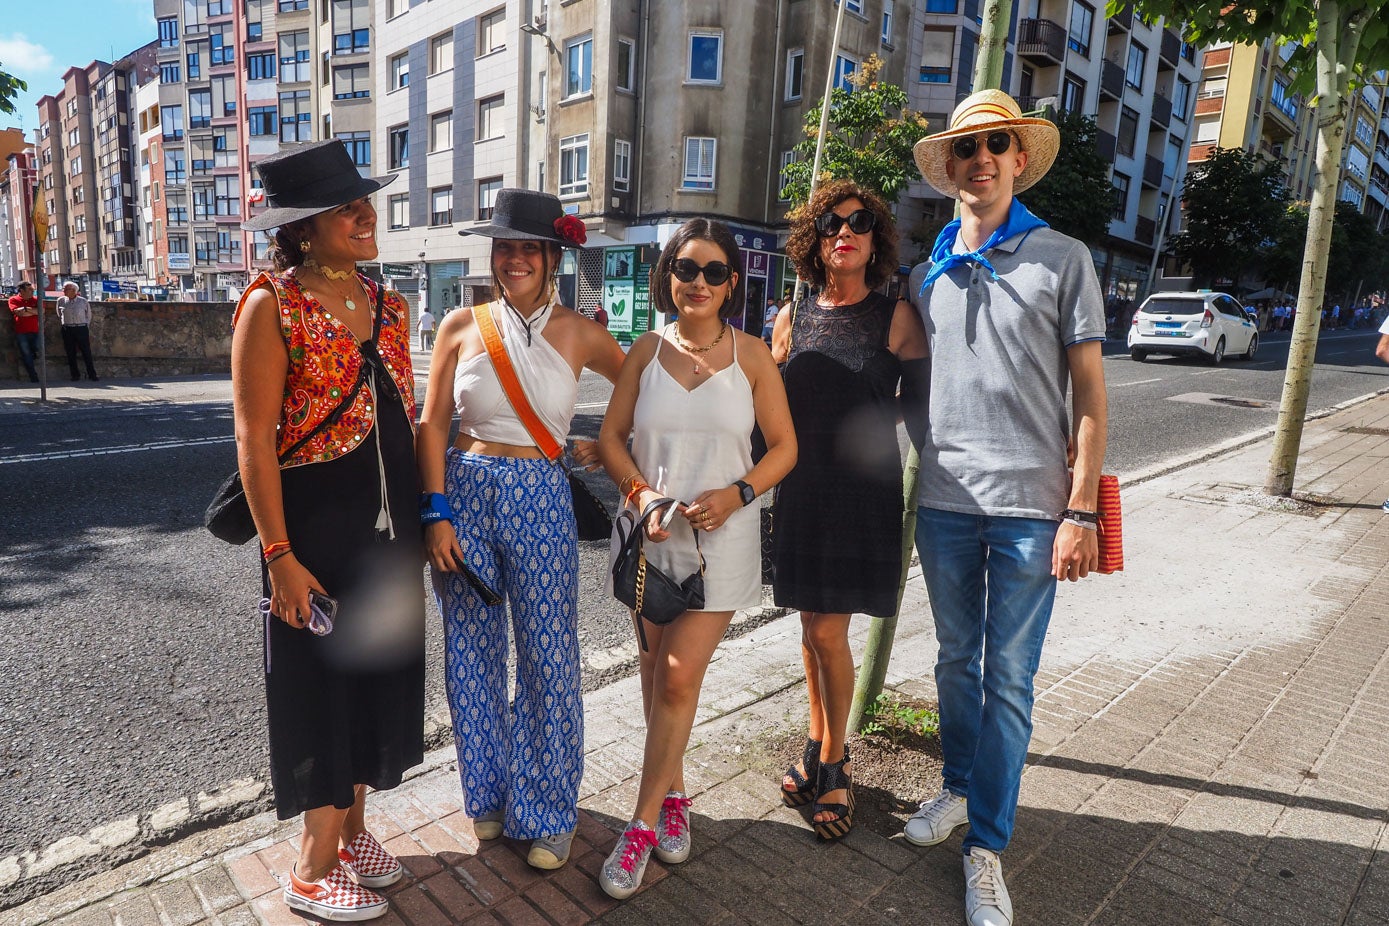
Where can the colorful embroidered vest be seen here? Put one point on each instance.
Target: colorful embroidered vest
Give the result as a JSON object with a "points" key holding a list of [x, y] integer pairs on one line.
{"points": [[323, 366]]}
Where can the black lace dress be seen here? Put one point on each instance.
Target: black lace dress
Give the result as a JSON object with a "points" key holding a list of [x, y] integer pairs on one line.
{"points": [[837, 525]]}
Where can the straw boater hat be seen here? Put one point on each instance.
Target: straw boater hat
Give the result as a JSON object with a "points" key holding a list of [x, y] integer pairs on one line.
{"points": [[304, 180], [982, 112]]}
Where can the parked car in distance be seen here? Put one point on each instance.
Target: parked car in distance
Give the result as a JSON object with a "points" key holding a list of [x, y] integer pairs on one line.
{"points": [[1202, 324]]}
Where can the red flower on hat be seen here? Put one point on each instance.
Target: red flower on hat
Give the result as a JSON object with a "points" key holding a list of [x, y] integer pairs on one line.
{"points": [[571, 229]]}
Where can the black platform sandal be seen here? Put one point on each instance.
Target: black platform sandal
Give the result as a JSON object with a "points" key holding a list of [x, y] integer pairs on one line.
{"points": [[805, 784], [832, 778]]}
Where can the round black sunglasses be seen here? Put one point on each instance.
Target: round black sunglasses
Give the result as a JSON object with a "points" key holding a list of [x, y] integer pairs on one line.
{"points": [[716, 272], [997, 143], [860, 221]]}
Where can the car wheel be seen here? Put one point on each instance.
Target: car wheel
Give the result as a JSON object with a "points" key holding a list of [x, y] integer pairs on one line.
{"points": [[1138, 354], [1253, 347], [1219, 353]]}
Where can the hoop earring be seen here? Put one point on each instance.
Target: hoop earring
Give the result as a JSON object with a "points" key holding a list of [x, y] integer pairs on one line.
{"points": [[304, 245], [873, 258]]}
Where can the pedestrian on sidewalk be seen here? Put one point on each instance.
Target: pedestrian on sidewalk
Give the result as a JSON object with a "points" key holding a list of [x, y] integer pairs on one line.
{"points": [[76, 316], [425, 326], [838, 516], [24, 310], [323, 397], [500, 528], [1014, 315], [688, 397]]}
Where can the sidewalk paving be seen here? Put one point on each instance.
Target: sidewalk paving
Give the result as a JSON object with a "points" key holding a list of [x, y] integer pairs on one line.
{"points": [[1210, 741]]}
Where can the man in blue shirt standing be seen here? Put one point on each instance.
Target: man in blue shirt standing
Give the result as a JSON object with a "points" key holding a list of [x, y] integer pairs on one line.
{"points": [[1014, 315]]}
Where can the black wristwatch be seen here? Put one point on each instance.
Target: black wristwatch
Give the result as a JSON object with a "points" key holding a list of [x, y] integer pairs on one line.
{"points": [[748, 493]]}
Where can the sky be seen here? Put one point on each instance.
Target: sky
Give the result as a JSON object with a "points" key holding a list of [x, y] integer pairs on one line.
{"points": [[41, 39]]}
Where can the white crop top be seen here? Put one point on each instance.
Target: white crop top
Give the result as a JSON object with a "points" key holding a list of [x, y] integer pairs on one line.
{"points": [[546, 377]]}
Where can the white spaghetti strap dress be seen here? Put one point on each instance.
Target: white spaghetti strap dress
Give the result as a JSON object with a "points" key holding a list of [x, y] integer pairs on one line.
{"points": [[686, 441]]}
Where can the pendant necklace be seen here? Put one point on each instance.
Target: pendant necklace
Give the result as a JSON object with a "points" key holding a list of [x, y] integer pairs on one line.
{"points": [[691, 349], [328, 273]]}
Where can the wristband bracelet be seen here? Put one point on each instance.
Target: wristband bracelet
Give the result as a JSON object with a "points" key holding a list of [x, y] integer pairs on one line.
{"points": [[434, 506], [274, 550], [1079, 523], [1078, 514]]}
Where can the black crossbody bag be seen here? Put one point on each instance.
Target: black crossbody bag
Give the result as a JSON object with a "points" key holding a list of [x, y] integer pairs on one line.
{"points": [[649, 592], [228, 515]]}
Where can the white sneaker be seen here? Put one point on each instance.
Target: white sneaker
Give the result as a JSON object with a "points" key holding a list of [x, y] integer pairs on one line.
{"points": [[936, 820], [986, 896]]}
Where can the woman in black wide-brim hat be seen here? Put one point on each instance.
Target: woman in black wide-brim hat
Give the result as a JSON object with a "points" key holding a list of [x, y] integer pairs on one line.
{"points": [[324, 403], [500, 527]]}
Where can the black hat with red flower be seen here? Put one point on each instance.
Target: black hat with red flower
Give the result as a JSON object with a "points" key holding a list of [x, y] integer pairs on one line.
{"points": [[534, 216]]}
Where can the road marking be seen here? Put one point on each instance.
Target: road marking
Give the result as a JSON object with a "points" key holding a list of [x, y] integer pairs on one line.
{"points": [[109, 451], [1139, 382]]}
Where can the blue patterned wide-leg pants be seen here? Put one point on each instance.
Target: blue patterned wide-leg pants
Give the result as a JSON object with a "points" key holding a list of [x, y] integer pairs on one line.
{"points": [[515, 522]]}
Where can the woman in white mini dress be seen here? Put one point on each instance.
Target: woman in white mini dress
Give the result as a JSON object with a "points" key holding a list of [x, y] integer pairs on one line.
{"points": [[688, 397]]}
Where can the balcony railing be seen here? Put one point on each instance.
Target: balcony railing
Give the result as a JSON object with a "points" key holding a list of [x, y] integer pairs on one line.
{"points": [[1107, 144], [1041, 41], [1121, 21], [1144, 230], [1152, 172], [1170, 50], [1112, 79], [1162, 110]]}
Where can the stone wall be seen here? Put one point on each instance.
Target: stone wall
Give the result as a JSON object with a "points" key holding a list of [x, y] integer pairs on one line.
{"points": [[135, 339]]}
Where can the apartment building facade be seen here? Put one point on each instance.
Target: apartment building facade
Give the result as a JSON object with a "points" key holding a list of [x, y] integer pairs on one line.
{"points": [[239, 79], [455, 122], [68, 177], [120, 231]]}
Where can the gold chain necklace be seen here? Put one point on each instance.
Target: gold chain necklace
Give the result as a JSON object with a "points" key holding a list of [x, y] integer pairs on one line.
{"points": [[690, 349], [329, 274]]}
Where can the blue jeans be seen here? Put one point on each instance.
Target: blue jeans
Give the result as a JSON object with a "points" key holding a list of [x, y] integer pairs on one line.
{"points": [[991, 589], [28, 350]]}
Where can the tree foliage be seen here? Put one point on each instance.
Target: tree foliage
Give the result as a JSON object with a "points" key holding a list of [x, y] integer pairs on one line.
{"points": [[10, 87], [868, 139], [1357, 260], [1075, 196], [1235, 202]]}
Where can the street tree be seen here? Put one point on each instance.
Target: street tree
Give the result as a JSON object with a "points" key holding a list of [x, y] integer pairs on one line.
{"points": [[1338, 42], [1234, 204], [869, 139], [1075, 197], [10, 87]]}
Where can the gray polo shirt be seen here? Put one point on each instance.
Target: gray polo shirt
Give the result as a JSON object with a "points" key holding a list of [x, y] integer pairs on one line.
{"points": [[999, 422]]}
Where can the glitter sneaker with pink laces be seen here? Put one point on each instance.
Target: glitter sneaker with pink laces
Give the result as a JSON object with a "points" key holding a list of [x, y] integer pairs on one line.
{"points": [[673, 829], [626, 866], [370, 864], [336, 897]]}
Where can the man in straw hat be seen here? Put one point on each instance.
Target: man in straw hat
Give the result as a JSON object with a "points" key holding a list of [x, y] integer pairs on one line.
{"points": [[1013, 312]]}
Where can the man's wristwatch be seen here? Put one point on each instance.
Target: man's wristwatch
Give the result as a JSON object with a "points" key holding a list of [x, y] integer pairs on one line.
{"points": [[748, 493]]}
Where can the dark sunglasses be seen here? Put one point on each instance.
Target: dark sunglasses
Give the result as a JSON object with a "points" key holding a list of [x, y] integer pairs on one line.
{"points": [[997, 143], [860, 221], [716, 272]]}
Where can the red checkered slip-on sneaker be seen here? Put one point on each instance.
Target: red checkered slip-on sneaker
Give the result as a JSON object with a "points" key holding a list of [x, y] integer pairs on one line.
{"points": [[370, 864], [336, 897]]}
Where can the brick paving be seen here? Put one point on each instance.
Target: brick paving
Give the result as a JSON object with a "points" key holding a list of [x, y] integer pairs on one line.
{"points": [[1209, 748]]}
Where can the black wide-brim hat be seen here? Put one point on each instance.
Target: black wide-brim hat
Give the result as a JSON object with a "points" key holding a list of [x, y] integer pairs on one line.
{"points": [[532, 216], [303, 180]]}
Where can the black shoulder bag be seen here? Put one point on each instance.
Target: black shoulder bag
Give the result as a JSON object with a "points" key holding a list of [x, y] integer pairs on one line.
{"points": [[649, 592], [228, 515]]}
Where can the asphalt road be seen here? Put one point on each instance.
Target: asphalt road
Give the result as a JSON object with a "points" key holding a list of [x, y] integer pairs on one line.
{"points": [[131, 673]]}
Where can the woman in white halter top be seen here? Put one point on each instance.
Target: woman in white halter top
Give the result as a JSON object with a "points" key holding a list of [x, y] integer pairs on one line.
{"points": [[688, 398], [499, 512]]}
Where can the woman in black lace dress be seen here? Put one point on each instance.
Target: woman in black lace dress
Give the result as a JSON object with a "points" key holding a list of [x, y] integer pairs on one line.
{"points": [[838, 519]]}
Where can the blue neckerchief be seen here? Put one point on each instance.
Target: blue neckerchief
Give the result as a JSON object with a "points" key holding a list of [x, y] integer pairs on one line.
{"points": [[943, 258]]}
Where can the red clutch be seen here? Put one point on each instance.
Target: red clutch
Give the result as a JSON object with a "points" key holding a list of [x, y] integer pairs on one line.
{"points": [[1111, 529]]}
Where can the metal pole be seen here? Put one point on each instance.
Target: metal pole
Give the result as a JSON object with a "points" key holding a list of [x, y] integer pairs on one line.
{"points": [[820, 141]]}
